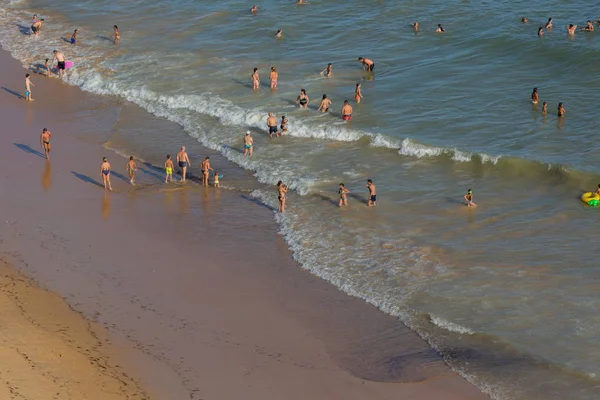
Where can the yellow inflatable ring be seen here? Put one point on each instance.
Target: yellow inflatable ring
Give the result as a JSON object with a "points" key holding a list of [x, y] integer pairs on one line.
{"points": [[590, 197]]}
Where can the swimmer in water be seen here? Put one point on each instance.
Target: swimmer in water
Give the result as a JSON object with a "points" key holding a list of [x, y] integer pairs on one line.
{"points": [[589, 27], [255, 79], [131, 167], [116, 35], [544, 108], [254, 9], [415, 26], [273, 77], [74, 37], [548, 24], [571, 29], [105, 173], [343, 198], [279, 33], [367, 64], [346, 111], [534, 96], [561, 110], [327, 71], [325, 104], [540, 31], [372, 194], [357, 93], [440, 29], [302, 99], [469, 199], [205, 168], [524, 20], [169, 169]]}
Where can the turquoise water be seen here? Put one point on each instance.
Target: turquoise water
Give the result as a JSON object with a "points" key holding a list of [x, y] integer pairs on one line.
{"points": [[507, 292]]}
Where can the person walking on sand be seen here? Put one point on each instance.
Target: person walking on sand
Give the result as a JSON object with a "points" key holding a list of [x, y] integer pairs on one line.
{"points": [[561, 110], [255, 79], [325, 104], [272, 125], [28, 85], [105, 173], [367, 64], [343, 195], [302, 99], [116, 35], [205, 169], [346, 111], [358, 93], [131, 167], [169, 169], [45, 142], [273, 77], [372, 194], [74, 37], [282, 189], [60, 59], [469, 199], [535, 98], [327, 71], [283, 125], [248, 144], [183, 161]]}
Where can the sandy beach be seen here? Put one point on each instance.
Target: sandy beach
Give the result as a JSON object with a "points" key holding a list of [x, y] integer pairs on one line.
{"points": [[197, 292]]}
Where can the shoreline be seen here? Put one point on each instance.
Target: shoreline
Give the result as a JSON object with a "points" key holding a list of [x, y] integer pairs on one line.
{"points": [[328, 341]]}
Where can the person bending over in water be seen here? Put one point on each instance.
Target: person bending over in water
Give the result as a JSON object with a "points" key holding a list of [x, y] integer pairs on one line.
{"points": [[255, 79], [524, 20], [254, 9], [343, 198], [273, 77], [372, 194], [248, 144], [302, 99], [45, 142], [534, 96], [544, 108], [469, 198], [327, 71], [358, 93], [540, 31], [561, 110], [346, 111], [282, 189], [415, 26], [169, 169], [279, 33], [105, 173], [440, 29], [36, 27], [367, 64], [272, 125], [325, 104], [589, 27], [116, 35], [571, 29], [131, 167], [283, 125], [548, 24]]}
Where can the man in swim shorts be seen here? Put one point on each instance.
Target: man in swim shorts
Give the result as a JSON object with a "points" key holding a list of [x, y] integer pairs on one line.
{"points": [[60, 59], [248, 144], [45, 142], [272, 125], [183, 161], [367, 63], [372, 194], [74, 37], [346, 111], [36, 27], [205, 168], [169, 169]]}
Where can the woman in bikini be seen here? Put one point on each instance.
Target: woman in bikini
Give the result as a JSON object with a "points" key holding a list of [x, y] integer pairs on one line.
{"points": [[343, 198], [302, 99], [273, 76], [325, 103], [357, 93], [255, 79], [116, 35], [282, 189], [535, 98]]}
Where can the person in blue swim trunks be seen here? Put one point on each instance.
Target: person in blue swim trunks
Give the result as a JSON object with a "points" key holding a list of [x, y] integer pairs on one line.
{"points": [[105, 173], [372, 194], [74, 37]]}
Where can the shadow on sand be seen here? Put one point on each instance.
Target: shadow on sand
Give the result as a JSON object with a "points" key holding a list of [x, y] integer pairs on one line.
{"points": [[359, 198], [30, 150], [87, 179], [327, 199], [257, 202], [25, 30], [19, 95]]}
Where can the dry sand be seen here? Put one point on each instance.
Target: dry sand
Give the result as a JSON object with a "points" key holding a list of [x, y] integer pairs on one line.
{"points": [[198, 292]]}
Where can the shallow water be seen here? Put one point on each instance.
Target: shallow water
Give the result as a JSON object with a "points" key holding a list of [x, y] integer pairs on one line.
{"points": [[507, 292]]}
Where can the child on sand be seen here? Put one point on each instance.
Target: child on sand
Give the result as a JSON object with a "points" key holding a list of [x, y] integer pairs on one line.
{"points": [[131, 168], [469, 198], [47, 67], [28, 85], [343, 198], [105, 173], [169, 169]]}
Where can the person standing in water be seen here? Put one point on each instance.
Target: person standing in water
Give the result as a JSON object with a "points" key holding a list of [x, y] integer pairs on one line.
{"points": [[346, 111], [60, 59], [561, 110], [327, 71], [282, 189], [325, 104], [415, 26], [116, 35], [548, 24], [302, 99], [74, 37], [248, 144], [524, 20], [440, 29], [343, 195], [367, 64], [540, 31], [131, 167], [279, 33], [358, 93], [105, 173], [183, 161], [272, 125], [372, 194], [169, 169], [544, 108], [255, 79], [45, 142], [273, 77], [254, 9], [571, 29], [535, 98], [36, 27], [283, 125], [469, 199], [589, 27], [205, 169], [28, 85]]}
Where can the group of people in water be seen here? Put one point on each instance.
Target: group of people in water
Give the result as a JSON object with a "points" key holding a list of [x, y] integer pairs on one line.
{"points": [[535, 99], [571, 29]]}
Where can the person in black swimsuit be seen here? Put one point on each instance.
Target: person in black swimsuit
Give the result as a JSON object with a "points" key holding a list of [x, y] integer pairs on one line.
{"points": [[303, 99]]}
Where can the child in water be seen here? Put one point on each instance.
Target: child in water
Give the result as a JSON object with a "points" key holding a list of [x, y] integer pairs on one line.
{"points": [[169, 169], [469, 199], [74, 37], [216, 179]]}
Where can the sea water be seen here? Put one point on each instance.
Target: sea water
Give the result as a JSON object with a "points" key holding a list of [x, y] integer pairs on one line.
{"points": [[507, 292]]}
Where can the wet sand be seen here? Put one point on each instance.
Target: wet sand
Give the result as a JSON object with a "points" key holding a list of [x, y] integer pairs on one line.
{"points": [[197, 290]]}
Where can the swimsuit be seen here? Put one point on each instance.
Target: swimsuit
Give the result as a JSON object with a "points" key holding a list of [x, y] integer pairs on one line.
{"points": [[303, 102], [272, 129], [346, 117], [357, 97], [48, 142], [371, 67], [373, 198], [27, 93], [61, 65], [183, 164], [106, 171], [248, 146], [34, 29], [72, 40], [169, 170]]}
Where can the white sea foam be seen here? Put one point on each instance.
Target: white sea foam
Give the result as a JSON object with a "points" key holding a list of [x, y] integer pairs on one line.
{"points": [[450, 326]]}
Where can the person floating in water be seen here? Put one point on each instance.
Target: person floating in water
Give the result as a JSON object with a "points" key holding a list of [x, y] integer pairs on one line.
{"points": [[524, 20], [116, 35], [74, 37], [540, 31], [367, 64], [169, 169], [372, 194], [279, 33], [255, 79], [544, 108], [273, 77], [589, 27], [571, 29], [131, 167], [469, 198], [302, 99], [343, 195], [548, 24], [325, 104], [440, 29], [327, 71], [346, 111], [561, 110], [282, 189], [535, 98], [248, 144], [45, 142], [105, 173], [358, 93]]}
